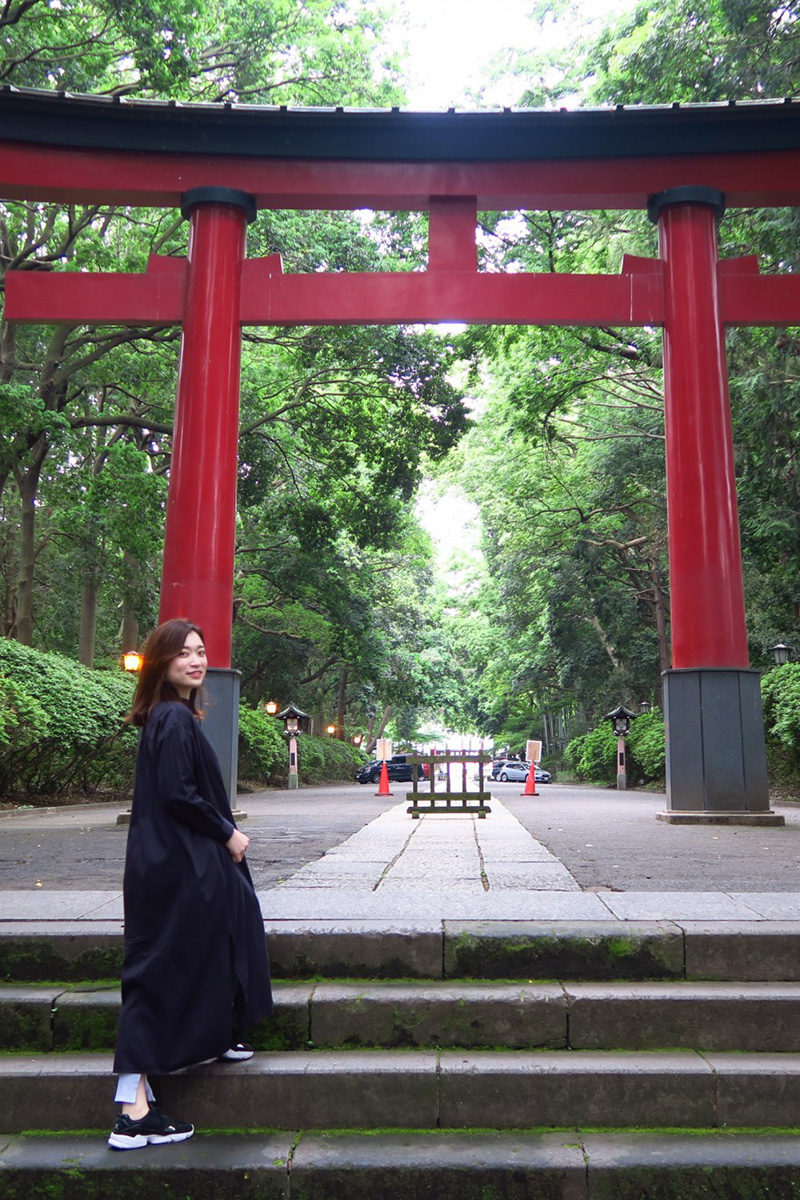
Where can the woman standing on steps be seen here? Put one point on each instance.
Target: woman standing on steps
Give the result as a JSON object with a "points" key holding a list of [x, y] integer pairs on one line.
{"points": [[195, 973]]}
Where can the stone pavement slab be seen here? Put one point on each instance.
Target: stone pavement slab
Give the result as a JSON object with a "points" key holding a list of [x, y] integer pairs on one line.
{"points": [[61, 906], [402, 904], [442, 867], [772, 906], [678, 906]]}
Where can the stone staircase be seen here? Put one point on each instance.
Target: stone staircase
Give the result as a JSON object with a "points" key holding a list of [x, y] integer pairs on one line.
{"points": [[486, 1059]]}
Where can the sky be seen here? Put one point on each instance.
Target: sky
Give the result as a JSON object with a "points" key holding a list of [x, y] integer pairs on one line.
{"points": [[451, 43]]}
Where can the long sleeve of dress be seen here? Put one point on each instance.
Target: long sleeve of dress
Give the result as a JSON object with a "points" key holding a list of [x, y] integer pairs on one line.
{"points": [[176, 751]]}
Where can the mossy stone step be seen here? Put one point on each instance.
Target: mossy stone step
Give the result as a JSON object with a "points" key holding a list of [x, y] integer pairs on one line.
{"points": [[591, 950], [474, 1165], [423, 1089], [557, 1016]]}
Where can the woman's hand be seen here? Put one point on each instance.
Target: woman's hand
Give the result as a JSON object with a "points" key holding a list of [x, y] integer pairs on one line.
{"points": [[237, 845]]}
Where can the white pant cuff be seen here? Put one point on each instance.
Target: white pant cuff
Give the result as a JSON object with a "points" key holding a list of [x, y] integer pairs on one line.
{"points": [[128, 1088]]}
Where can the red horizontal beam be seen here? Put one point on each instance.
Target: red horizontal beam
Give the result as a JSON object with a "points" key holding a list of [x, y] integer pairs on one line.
{"points": [[760, 299], [634, 298], [49, 173], [463, 296], [270, 298], [75, 298]]}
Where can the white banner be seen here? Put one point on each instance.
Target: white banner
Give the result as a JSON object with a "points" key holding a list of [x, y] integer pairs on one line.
{"points": [[533, 751], [383, 749]]}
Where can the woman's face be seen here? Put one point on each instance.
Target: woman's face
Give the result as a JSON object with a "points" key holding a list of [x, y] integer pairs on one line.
{"points": [[187, 670]]}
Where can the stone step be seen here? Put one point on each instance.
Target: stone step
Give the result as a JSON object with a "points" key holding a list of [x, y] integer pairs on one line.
{"points": [[371, 949], [423, 1089], [558, 1016], [571, 1165]]}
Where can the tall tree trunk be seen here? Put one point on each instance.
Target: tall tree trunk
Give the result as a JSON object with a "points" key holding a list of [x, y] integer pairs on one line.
{"points": [[660, 606], [88, 628], [10, 611], [10, 572], [610, 650], [28, 483], [129, 631], [341, 703], [378, 733]]}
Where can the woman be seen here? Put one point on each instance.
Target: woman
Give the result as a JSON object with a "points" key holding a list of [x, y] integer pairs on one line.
{"points": [[195, 973]]}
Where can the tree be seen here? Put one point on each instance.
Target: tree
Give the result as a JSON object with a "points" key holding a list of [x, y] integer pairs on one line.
{"points": [[576, 446], [70, 394]]}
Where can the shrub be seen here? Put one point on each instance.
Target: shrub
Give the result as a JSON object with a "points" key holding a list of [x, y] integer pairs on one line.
{"points": [[780, 695], [61, 724], [647, 757], [264, 755], [593, 755], [324, 758], [262, 747]]}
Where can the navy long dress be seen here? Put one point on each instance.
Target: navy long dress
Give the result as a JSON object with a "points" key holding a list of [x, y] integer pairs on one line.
{"points": [[195, 974]]}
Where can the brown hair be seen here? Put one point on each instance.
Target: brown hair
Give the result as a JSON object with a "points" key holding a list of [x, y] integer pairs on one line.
{"points": [[153, 686]]}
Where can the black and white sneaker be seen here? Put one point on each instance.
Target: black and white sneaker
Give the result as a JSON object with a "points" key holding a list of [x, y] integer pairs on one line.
{"points": [[156, 1128], [239, 1052]]}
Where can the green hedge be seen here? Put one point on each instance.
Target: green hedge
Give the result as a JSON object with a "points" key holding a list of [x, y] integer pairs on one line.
{"points": [[61, 724], [780, 693], [262, 747], [61, 731], [593, 756], [325, 758], [264, 755], [647, 750]]}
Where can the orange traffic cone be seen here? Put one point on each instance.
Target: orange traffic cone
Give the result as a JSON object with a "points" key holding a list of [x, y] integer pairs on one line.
{"points": [[530, 782], [383, 786]]}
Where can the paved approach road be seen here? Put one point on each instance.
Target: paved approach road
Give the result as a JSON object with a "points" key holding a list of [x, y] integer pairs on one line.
{"points": [[612, 840], [608, 840], [83, 848]]}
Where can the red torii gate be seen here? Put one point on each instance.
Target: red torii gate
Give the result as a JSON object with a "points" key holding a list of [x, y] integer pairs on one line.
{"points": [[220, 163]]}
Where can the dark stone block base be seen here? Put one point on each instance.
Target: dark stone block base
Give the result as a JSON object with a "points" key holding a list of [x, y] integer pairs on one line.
{"points": [[716, 759], [720, 818]]}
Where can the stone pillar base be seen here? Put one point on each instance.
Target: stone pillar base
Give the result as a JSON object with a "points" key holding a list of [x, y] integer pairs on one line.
{"points": [[716, 759], [124, 818], [673, 817], [221, 722]]}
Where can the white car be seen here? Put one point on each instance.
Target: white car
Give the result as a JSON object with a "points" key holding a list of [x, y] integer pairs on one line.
{"points": [[514, 770]]}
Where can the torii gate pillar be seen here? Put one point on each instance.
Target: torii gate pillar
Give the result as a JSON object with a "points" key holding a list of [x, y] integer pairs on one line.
{"points": [[197, 575], [716, 761]]}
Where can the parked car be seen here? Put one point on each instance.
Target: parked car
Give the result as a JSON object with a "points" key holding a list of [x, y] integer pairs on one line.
{"points": [[399, 766], [507, 770]]}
